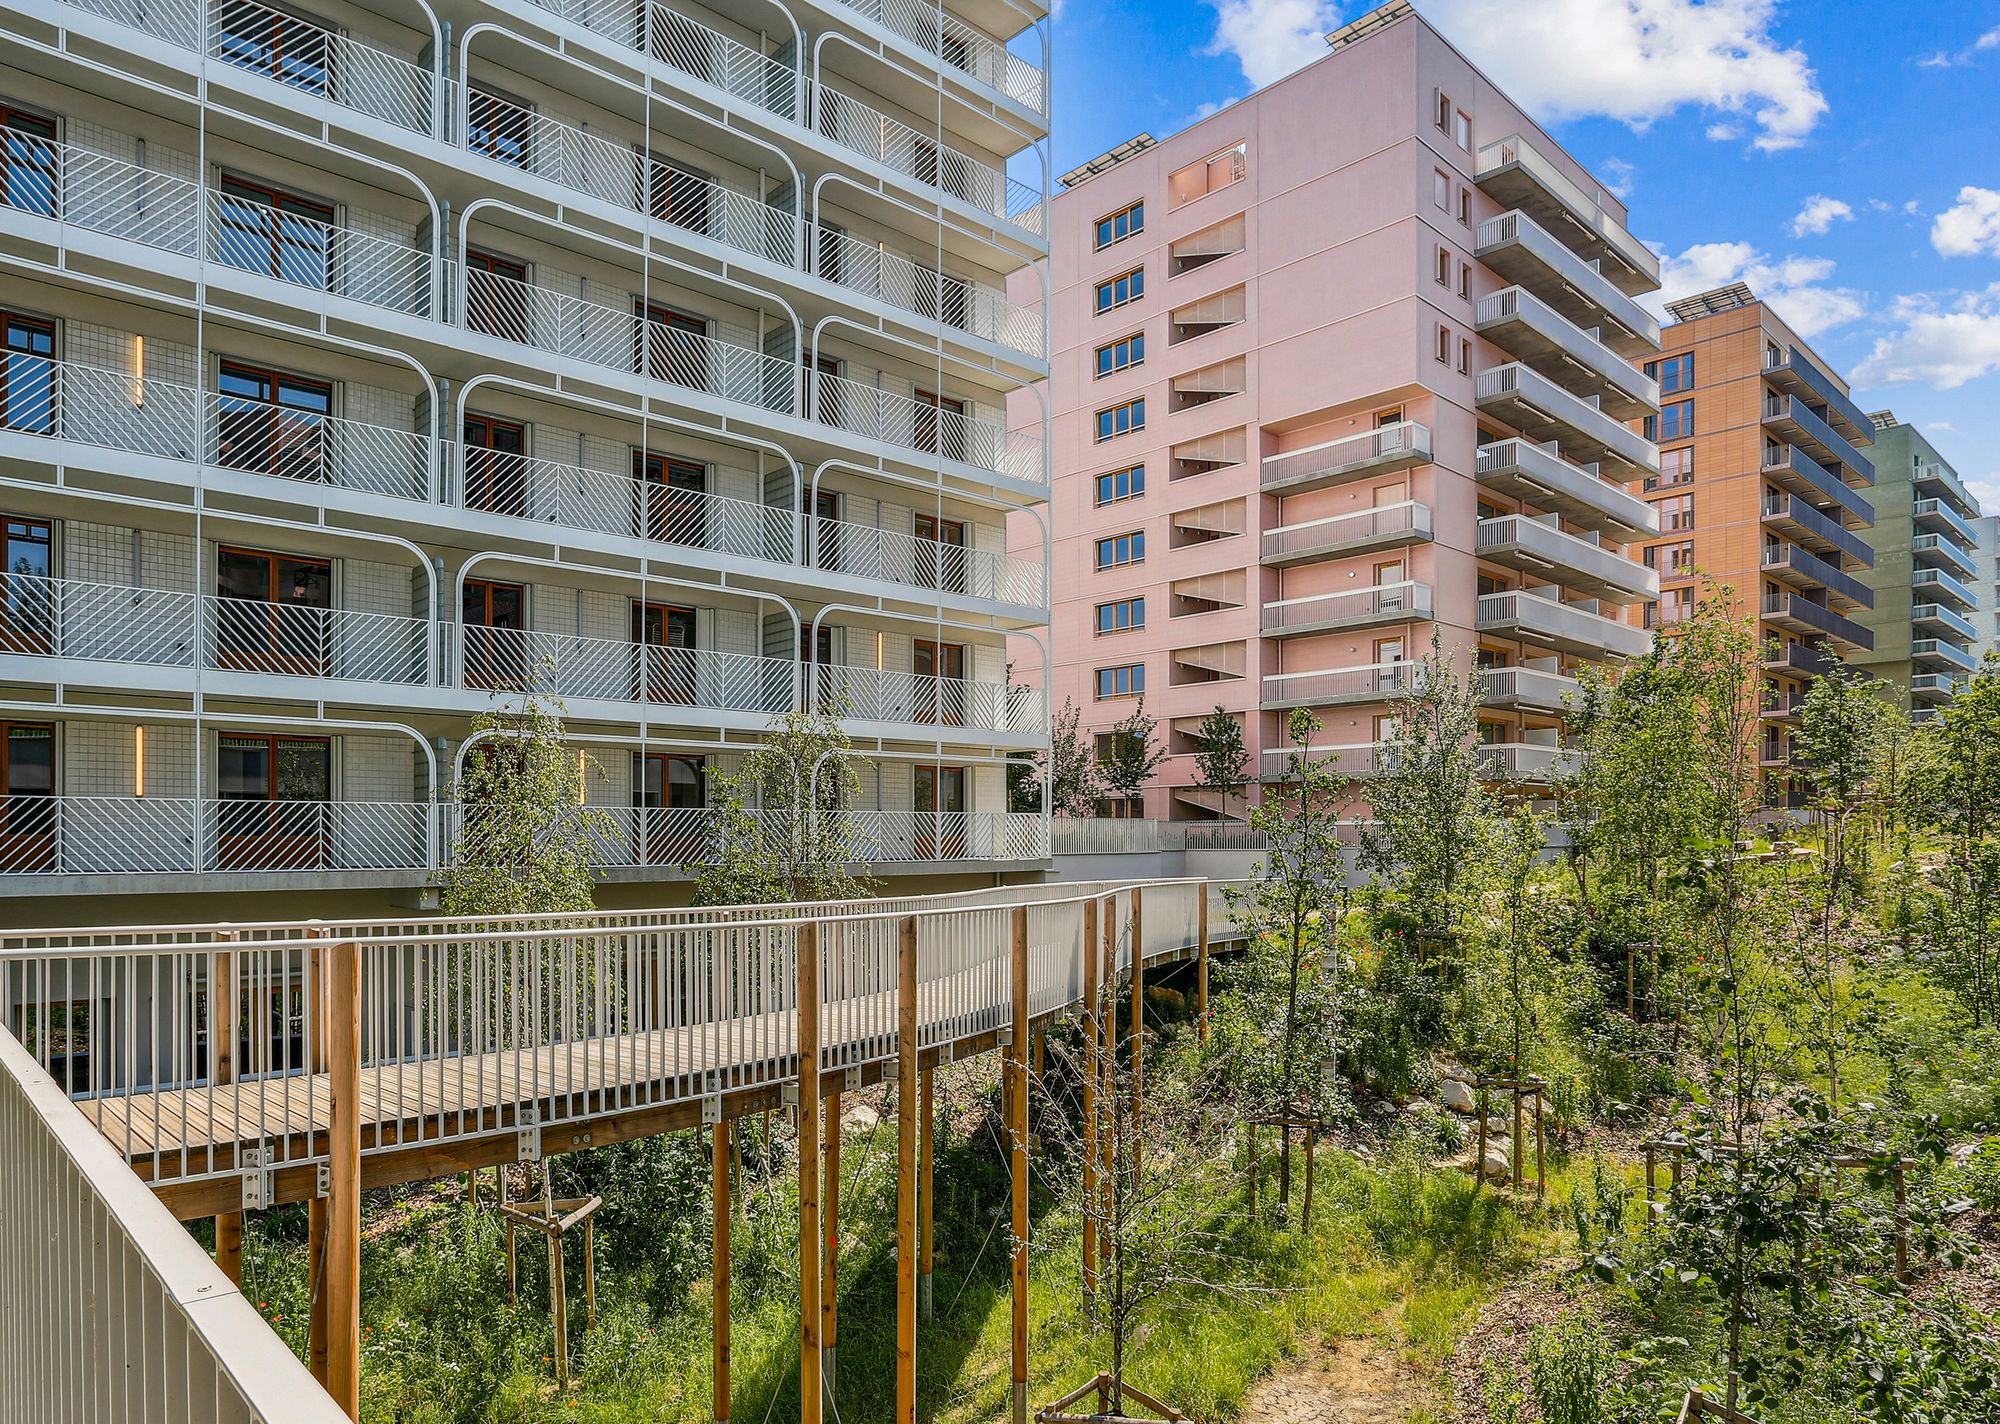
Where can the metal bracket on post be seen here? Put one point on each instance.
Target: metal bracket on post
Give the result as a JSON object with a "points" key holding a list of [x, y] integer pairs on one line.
{"points": [[323, 1180], [711, 1111], [852, 1082], [528, 1134], [256, 1163], [789, 1095], [1004, 1038]]}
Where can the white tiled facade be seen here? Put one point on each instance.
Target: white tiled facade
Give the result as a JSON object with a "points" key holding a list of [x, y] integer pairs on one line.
{"points": [[633, 343]]}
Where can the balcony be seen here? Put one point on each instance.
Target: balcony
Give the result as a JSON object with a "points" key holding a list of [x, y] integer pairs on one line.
{"points": [[1801, 615], [1534, 763], [1525, 326], [1936, 617], [1382, 451], [1802, 660], [1936, 686], [875, 414], [1392, 526], [1523, 689], [1516, 174], [1791, 516], [1937, 584], [1366, 608], [170, 835], [874, 695], [1935, 652], [1792, 420], [864, 551], [1545, 553], [1355, 759], [1790, 564], [1942, 516], [159, 628], [1543, 622], [1333, 687], [1937, 549], [1800, 474], [580, 668], [1523, 251], [1936, 481], [880, 138], [1544, 411], [1795, 375], [1525, 471]]}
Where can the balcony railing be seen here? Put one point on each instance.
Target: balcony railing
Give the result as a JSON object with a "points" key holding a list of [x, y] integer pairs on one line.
{"points": [[1945, 481], [864, 551], [1535, 619], [1377, 682], [1390, 603], [1795, 373], [1524, 325], [1546, 552], [673, 837], [1939, 549], [959, 46], [1803, 426], [1792, 564], [1805, 616], [1938, 650], [1516, 172], [872, 134], [96, 622], [1792, 515], [693, 50], [1800, 660], [1543, 411], [1531, 689], [1939, 584], [1387, 448], [902, 282], [1800, 473], [875, 695], [1925, 615], [1383, 527], [1527, 472], [130, 835], [875, 414], [1532, 762], [1522, 250], [1936, 686], [118, 410], [575, 666], [1929, 513]]}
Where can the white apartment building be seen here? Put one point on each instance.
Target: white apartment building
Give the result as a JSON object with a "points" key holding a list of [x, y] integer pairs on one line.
{"points": [[365, 360]]}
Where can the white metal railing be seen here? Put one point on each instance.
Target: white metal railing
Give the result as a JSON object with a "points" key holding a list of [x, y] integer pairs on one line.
{"points": [[960, 46], [909, 423], [900, 281], [107, 1304], [606, 502], [615, 670], [1406, 599], [127, 835], [304, 55], [1404, 441], [104, 194], [865, 551], [875, 695], [693, 49], [1584, 206], [294, 640], [867, 131], [1408, 517], [1311, 688], [343, 261]]}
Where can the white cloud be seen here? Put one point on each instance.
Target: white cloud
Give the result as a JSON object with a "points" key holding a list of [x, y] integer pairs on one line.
{"points": [[1795, 286], [1944, 59], [1970, 226], [1942, 427], [1616, 174], [1271, 38], [1636, 60], [1939, 344], [1820, 213]]}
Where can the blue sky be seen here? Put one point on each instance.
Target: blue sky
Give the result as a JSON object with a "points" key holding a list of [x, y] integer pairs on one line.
{"points": [[1842, 157]]}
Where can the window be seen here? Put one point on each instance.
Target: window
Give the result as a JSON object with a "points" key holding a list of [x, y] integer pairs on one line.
{"points": [[291, 48], [1130, 351], [1122, 616], [500, 128], [1215, 172], [1464, 356], [1121, 549], [492, 618], [1444, 343], [1488, 583], [1465, 279], [496, 470], [1674, 422], [27, 374], [27, 601], [496, 297], [1461, 129], [1465, 206], [1128, 680], [1674, 373], [1676, 605], [1121, 485], [1676, 468], [1121, 419], [1671, 560], [275, 794], [272, 422], [670, 498], [1676, 513], [1444, 266], [1444, 110], [1128, 287], [281, 234], [1120, 225], [1441, 189], [937, 664]]}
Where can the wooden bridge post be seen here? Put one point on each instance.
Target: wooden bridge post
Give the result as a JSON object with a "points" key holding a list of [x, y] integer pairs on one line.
{"points": [[1093, 1018], [343, 1236], [829, 1290], [1138, 1014], [719, 1278], [926, 1137], [1107, 924], [224, 1001], [811, 1410], [1520, 1147], [1201, 961], [1017, 1075], [316, 1212], [907, 1114]]}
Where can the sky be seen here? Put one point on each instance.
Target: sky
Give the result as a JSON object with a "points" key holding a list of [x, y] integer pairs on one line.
{"points": [[1840, 156]]}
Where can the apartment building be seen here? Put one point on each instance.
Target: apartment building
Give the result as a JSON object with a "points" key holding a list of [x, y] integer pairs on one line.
{"points": [[366, 364], [1759, 490], [1987, 586], [1926, 572], [1315, 400]]}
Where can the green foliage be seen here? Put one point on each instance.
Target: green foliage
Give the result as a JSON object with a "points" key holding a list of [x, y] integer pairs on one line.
{"points": [[1130, 754], [1068, 767], [1569, 1369], [1221, 759]]}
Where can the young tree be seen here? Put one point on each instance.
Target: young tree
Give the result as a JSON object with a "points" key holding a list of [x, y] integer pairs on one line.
{"points": [[1280, 1022], [1434, 818], [1068, 767], [1958, 787], [780, 828], [1131, 755], [1221, 760], [525, 839]]}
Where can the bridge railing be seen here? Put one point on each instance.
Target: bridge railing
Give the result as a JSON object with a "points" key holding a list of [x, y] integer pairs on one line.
{"points": [[108, 1308]]}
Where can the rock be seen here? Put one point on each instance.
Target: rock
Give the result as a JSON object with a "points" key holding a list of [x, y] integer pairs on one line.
{"points": [[1498, 1168], [1453, 1073], [1383, 1108], [1458, 1096], [860, 1117]]}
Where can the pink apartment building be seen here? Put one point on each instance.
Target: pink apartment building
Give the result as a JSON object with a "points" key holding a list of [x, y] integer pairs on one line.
{"points": [[1347, 361]]}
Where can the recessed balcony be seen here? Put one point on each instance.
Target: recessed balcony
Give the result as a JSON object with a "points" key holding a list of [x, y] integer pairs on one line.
{"points": [[1523, 325], [1936, 686], [1797, 520], [1801, 615], [1797, 472], [1803, 660], [1937, 654], [1523, 251], [1525, 471], [1536, 763], [1524, 689], [1788, 563], [1543, 622], [1543, 411], [1333, 687], [1545, 553], [1935, 617], [1936, 549], [1364, 608], [1384, 450], [1515, 173], [1794, 374], [1936, 584], [1792, 420], [1942, 516], [1391, 526]]}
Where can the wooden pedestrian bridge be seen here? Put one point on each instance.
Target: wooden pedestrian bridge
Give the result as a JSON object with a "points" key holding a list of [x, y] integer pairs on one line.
{"points": [[190, 1071]]}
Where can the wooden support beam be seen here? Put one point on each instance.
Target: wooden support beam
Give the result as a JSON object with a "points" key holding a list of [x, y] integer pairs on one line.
{"points": [[1520, 1153], [1138, 1015], [343, 1234], [719, 1143], [926, 1147], [1093, 1018], [1017, 1075], [559, 1307], [1201, 962], [316, 1215], [224, 1001], [811, 1408], [829, 1289], [1107, 928], [907, 1109]]}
